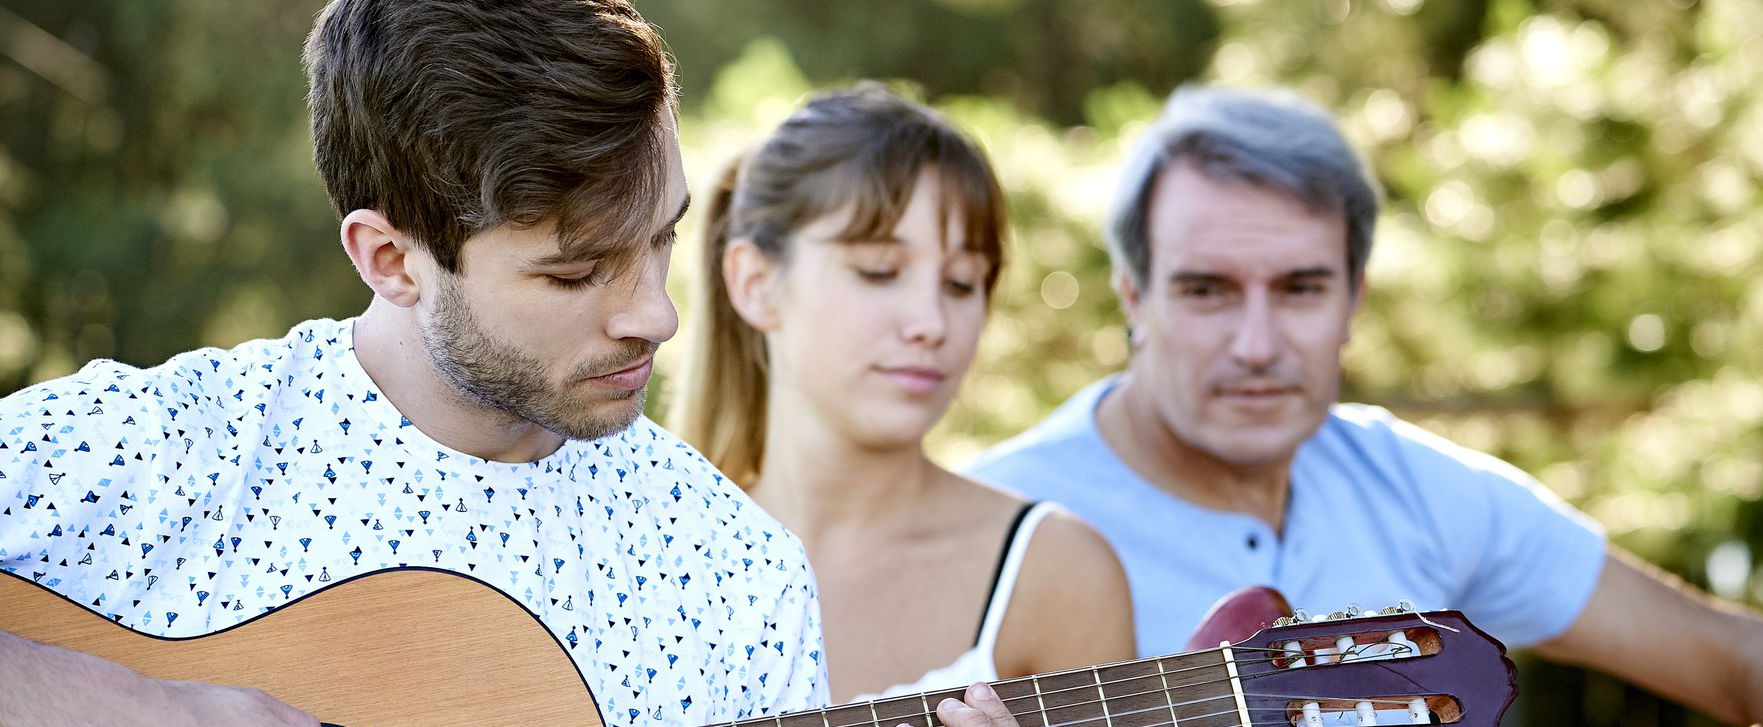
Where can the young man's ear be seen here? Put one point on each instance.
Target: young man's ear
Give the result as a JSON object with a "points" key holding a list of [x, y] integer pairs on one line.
{"points": [[384, 257], [748, 274]]}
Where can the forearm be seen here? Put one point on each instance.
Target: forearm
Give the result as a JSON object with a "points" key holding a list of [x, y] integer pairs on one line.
{"points": [[1746, 687], [1652, 629], [44, 685], [1719, 668]]}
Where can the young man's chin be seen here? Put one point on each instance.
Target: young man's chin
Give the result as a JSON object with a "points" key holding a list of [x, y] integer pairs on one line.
{"points": [[603, 416]]}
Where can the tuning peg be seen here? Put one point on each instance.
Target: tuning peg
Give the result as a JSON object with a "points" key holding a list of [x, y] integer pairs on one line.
{"points": [[1418, 713]]}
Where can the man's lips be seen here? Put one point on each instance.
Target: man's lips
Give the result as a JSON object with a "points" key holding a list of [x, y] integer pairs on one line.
{"points": [[1256, 390], [629, 379]]}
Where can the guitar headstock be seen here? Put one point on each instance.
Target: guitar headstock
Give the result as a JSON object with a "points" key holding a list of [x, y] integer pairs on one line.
{"points": [[1407, 667]]}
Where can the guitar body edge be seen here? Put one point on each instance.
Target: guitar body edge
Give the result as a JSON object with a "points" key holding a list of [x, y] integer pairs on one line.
{"points": [[407, 646]]}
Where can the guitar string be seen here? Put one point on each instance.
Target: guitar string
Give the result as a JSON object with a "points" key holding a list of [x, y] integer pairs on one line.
{"points": [[1190, 703], [923, 714], [1108, 718], [1208, 715], [1356, 652], [1279, 654]]}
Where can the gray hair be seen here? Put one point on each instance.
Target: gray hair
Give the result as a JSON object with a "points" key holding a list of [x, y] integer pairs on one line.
{"points": [[1273, 140]]}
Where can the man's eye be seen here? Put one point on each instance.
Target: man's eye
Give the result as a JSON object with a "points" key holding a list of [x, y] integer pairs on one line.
{"points": [[877, 275], [573, 281], [1198, 290]]}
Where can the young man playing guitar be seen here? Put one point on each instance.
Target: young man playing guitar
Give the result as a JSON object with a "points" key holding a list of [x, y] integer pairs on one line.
{"points": [[508, 177], [1221, 459]]}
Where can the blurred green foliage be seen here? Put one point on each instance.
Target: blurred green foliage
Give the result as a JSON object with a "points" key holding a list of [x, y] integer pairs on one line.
{"points": [[1563, 274]]}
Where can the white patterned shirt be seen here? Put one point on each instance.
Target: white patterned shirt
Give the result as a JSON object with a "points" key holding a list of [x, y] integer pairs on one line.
{"points": [[186, 498]]}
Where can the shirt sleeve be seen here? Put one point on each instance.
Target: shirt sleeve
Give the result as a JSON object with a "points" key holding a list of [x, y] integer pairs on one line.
{"points": [[72, 454], [792, 675], [1524, 562]]}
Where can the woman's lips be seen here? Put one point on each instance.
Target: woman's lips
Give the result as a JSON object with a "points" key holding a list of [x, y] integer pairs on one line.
{"points": [[916, 380]]}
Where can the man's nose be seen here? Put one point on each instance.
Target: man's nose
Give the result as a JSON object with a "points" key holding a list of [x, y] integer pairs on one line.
{"points": [[648, 313], [1257, 343]]}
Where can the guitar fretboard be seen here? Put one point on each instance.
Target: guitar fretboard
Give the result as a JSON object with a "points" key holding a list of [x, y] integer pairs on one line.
{"points": [[1189, 690]]}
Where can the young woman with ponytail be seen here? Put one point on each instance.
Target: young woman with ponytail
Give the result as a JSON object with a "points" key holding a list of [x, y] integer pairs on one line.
{"points": [[847, 270]]}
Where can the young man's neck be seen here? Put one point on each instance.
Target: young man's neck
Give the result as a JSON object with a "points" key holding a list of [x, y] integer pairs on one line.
{"points": [[1132, 428], [388, 344]]}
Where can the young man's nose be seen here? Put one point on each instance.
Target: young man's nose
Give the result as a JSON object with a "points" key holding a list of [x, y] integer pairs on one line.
{"points": [[647, 313]]}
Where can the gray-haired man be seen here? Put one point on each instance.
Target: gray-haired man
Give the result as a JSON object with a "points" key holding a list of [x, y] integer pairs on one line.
{"points": [[1220, 457]]}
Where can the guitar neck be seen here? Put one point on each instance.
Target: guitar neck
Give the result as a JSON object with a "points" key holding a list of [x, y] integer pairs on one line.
{"points": [[1197, 689]]}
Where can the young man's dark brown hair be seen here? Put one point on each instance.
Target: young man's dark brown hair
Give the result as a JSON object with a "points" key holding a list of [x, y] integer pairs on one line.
{"points": [[452, 117]]}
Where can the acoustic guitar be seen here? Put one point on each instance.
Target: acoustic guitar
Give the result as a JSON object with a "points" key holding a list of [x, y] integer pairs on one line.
{"points": [[366, 652]]}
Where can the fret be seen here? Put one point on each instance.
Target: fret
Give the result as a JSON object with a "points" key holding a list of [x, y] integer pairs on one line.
{"points": [[850, 715], [1072, 699], [1134, 694], [802, 719], [937, 697], [1163, 679], [901, 710], [1199, 688], [1023, 700], [1040, 702], [1106, 716]]}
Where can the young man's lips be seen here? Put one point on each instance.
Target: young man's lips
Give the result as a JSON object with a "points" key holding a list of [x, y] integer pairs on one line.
{"points": [[629, 379]]}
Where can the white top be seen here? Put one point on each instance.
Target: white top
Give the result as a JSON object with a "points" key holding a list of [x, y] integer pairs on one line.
{"points": [[979, 664], [186, 498]]}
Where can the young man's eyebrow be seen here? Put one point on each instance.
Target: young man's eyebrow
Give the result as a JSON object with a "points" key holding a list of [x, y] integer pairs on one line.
{"points": [[600, 250], [579, 253], [684, 204], [1316, 272]]}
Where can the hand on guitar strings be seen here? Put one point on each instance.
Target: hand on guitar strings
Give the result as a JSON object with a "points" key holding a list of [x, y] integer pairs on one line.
{"points": [[979, 707]]}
